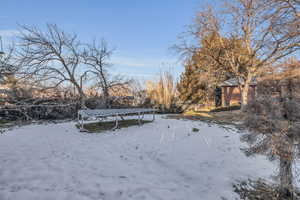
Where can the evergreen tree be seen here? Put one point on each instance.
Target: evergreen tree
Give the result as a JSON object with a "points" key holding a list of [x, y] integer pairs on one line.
{"points": [[206, 69]]}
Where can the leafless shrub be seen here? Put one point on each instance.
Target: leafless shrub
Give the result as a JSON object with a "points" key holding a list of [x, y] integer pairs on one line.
{"points": [[163, 92], [260, 190], [274, 121]]}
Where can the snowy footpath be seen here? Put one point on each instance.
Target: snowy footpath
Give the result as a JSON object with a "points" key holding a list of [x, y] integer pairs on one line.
{"points": [[162, 160]]}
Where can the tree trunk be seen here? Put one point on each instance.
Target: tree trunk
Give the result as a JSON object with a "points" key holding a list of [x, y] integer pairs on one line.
{"points": [[245, 91], [286, 179], [244, 96], [106, 98], [82, 96], [82, 101]]}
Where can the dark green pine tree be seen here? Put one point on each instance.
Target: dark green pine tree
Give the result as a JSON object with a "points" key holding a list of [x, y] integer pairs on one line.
{"points": [[193, 86]]}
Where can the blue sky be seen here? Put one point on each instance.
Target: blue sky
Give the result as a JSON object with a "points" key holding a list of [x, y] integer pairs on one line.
{"points": [[142, 31]]}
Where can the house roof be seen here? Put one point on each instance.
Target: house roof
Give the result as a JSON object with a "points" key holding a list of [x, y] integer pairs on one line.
{"points": [[234, 82]]}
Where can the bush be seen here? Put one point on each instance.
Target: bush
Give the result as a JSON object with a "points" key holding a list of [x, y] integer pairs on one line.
{"points": [[195, 130], [39, 112]]}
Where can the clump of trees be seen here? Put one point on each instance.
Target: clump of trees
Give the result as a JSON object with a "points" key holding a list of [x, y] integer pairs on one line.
{"points": [[51, 63], [55, 57], [249, 35], [202, 75], [52, 59]]}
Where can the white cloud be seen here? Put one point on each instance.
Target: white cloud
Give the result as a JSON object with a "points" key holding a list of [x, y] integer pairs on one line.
{"points": [[9, 33]]}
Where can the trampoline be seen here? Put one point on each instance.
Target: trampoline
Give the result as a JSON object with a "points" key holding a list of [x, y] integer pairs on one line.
{"points": [[115, 113]]}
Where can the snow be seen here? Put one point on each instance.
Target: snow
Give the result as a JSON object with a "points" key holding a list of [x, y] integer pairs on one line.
{"points": [[161, 160]]}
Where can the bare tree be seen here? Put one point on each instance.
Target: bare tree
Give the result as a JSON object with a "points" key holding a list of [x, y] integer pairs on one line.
{"points": [[268, 36], [96, 56], [52, 56], [289, 7]]}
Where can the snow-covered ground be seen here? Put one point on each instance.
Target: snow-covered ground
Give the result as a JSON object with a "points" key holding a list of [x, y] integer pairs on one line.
{"points": [[161, 160]]}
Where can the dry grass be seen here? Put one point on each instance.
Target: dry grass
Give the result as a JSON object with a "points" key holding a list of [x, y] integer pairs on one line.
{"points": [[198, 113], [223, 118]]}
